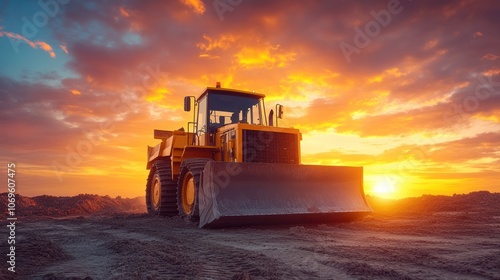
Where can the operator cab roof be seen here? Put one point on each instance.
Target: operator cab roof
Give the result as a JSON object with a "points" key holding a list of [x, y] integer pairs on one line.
{"points": [[231, 92]]}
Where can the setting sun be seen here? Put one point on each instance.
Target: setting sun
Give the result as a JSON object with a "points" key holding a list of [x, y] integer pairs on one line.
{"points": [[384, 188]]}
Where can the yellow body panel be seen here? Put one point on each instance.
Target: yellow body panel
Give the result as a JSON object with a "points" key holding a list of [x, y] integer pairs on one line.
{"points": [[172, 148], [177, 147], [238, 141]]}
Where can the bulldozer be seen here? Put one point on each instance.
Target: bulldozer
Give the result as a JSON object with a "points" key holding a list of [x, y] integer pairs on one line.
{"points": [[231, 167]]}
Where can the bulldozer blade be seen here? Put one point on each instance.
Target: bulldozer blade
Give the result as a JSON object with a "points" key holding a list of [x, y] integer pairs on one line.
{"points": [[236, 194]]}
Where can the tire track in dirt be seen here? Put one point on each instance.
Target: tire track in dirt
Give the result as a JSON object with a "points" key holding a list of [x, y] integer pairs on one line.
{"points": [[140, 247], [193, 253], [384, 255], [88, 257]]}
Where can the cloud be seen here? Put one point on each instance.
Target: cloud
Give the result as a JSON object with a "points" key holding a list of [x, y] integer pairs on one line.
{"points": [[481, 146], [264, 57], [197, 5], [491, 57], [34, 44], [223, 42], [75, 92], [64, 48], [409, 85], [124, 12], [44, 46]]}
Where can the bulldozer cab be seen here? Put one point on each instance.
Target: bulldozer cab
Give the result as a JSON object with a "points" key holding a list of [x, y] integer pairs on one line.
{"points": [[217, 107]]}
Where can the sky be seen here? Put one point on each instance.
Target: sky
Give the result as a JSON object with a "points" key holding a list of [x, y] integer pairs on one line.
{"points": [[410, 90]]}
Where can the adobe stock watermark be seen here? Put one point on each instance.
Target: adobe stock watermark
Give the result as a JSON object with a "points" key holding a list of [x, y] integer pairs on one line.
{"points": [[372, 29], [255, 145], [223, 6], [222, 179], [410, 161], [31, 26], [458, 111], [471, 103], [77, 153], [11, 215]]}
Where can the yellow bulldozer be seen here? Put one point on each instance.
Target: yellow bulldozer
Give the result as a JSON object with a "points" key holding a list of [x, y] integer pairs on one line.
{"points": [[231, 167]]}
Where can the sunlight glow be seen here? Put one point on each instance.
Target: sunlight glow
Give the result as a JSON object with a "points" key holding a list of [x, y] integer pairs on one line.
{"points": [[384, 189]]}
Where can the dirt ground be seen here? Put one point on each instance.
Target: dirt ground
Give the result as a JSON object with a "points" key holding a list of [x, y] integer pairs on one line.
{"points": [[445, 245]]}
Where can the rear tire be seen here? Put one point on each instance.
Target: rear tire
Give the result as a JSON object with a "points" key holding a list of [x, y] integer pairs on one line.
{"points": [[188, 186], [161, 190]]}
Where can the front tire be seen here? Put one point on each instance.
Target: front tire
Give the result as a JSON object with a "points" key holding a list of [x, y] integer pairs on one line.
{"points": [[188, 186], [161, 190]]}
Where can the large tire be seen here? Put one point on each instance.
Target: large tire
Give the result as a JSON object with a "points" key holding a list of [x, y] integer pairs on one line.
{"points": [[188, 186], [161, 190]]}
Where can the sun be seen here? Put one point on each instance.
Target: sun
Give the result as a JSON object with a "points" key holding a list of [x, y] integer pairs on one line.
{"points": [[384, 188]]}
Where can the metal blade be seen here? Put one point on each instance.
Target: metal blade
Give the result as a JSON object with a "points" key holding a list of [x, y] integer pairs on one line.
{"points": [[233, 194]]}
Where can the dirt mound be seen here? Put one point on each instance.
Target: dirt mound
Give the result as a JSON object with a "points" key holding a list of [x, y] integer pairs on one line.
{"points": [[83, 204], [482, 201]]}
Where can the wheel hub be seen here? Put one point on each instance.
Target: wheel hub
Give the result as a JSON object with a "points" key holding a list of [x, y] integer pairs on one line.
{"points": [[156, 193], [188, 194]]}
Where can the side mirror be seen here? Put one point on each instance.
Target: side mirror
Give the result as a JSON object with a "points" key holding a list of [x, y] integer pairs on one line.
{"points": [[187, 103], [279, 110]]}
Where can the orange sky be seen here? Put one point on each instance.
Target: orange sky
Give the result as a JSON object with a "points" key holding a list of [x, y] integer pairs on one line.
{"points": [[408, 89]]}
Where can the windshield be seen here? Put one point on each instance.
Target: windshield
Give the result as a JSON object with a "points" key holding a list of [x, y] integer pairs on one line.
{"points": [[226, 109]]}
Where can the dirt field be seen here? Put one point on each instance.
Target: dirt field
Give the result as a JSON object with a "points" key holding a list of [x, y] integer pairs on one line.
{"points": [[445, 245]]}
